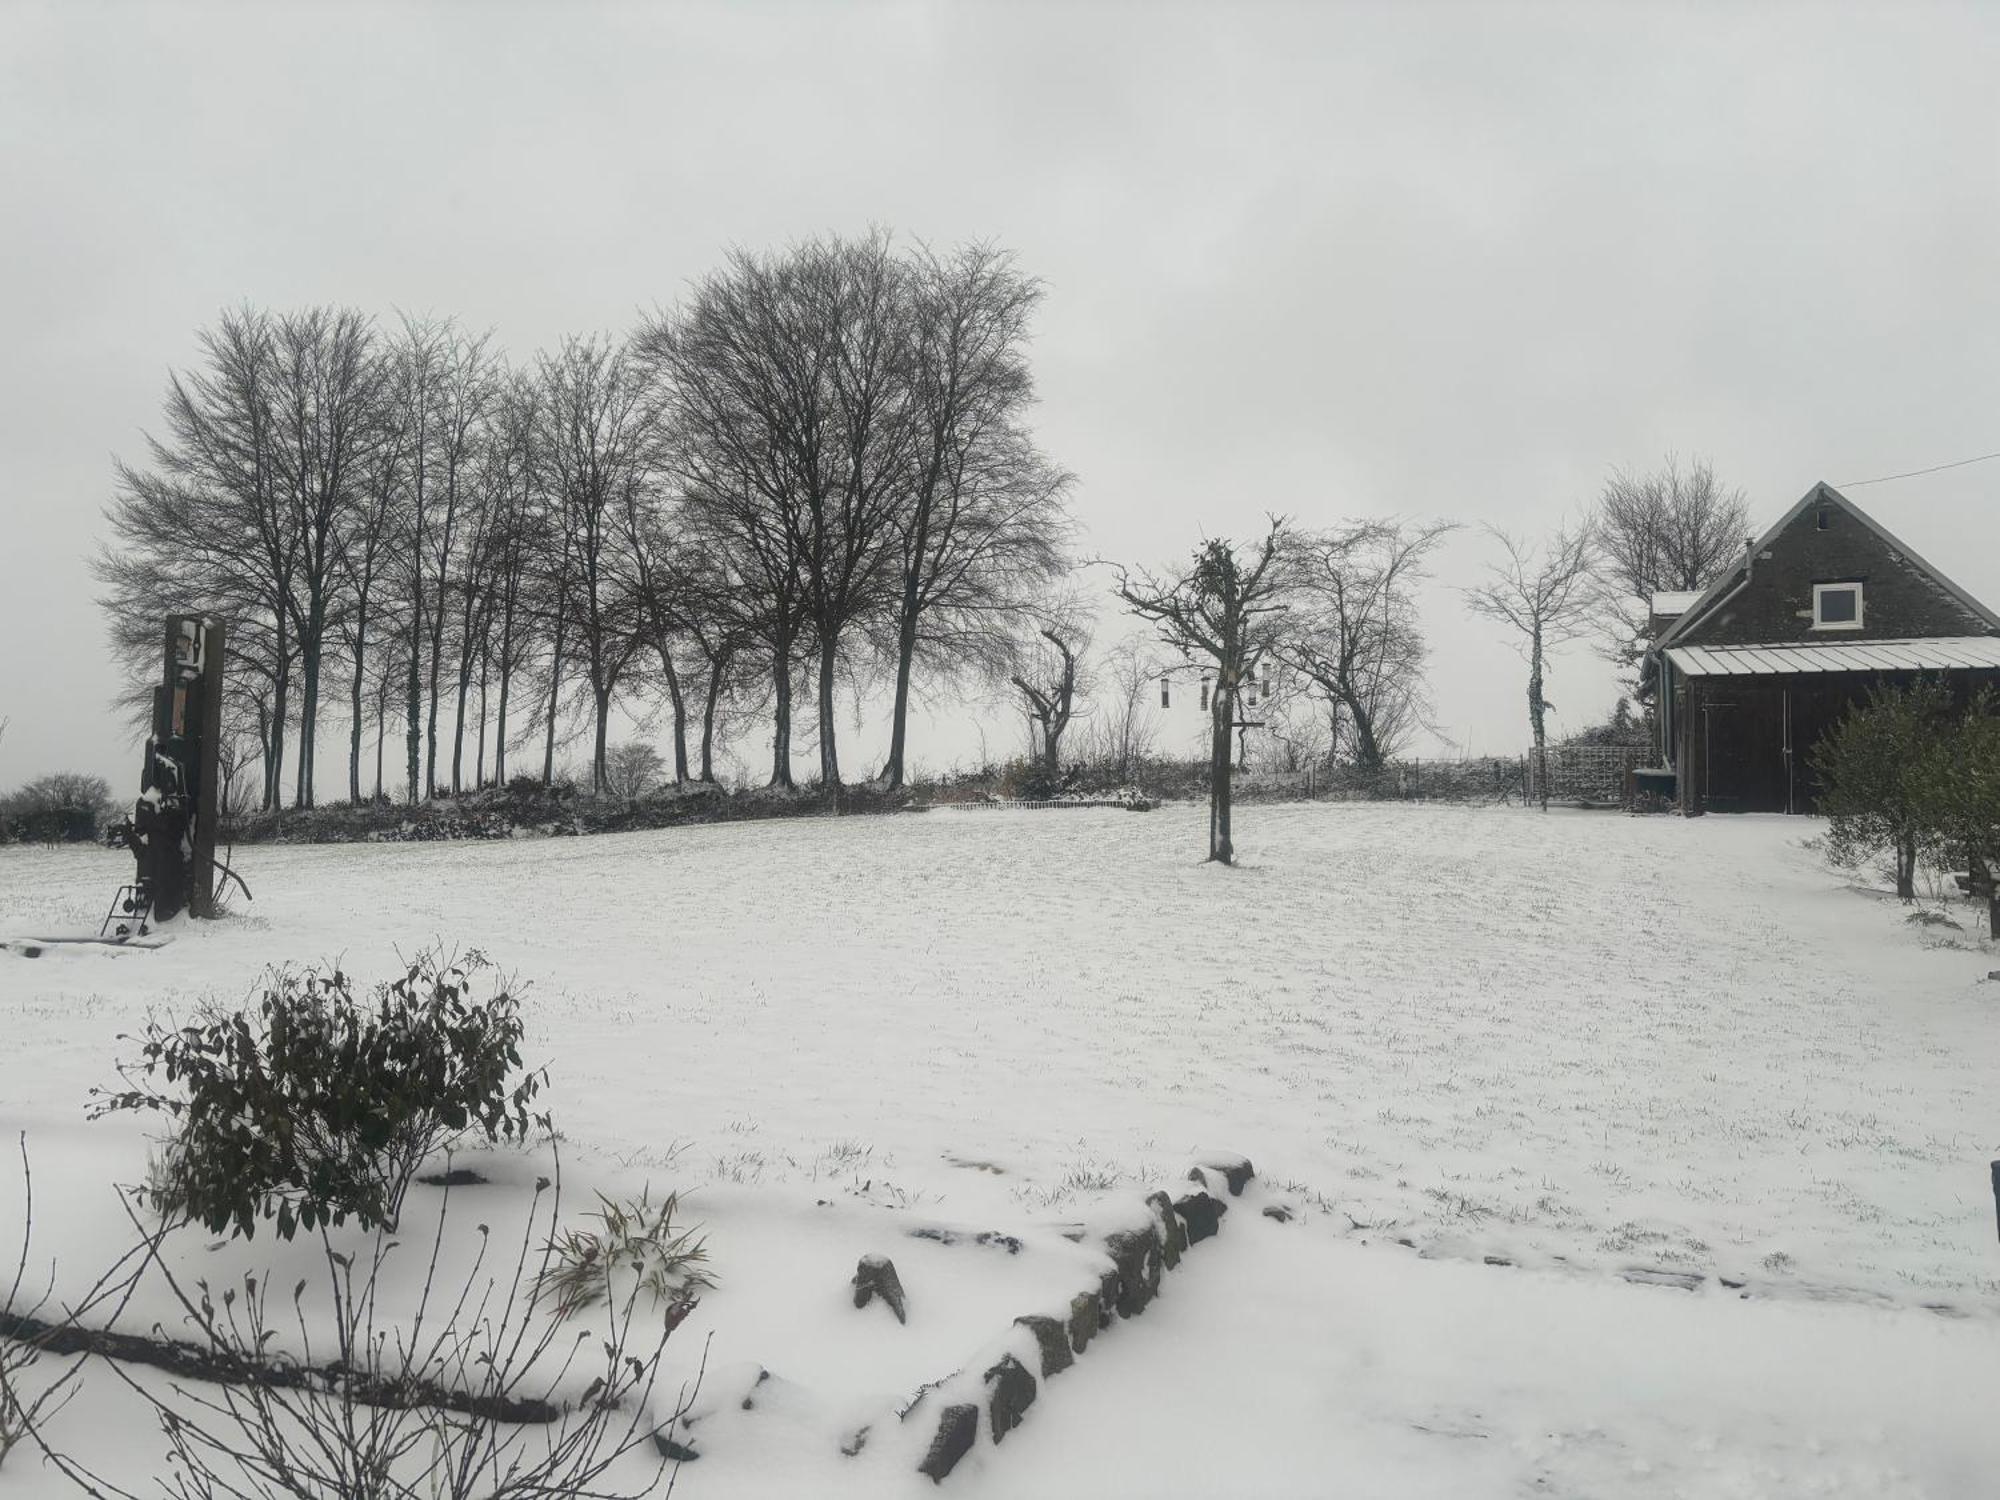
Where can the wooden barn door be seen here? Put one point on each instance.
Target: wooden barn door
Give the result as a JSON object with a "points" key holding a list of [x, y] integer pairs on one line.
{"points": [[1746, 768]]}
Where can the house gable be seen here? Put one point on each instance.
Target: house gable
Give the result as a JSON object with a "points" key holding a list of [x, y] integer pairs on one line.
{"points": [[1827, 539]]}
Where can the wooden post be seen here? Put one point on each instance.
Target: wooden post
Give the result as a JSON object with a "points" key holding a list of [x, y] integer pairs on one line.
{"points": [[174, 821], [204, 766], [1996, 1193]]}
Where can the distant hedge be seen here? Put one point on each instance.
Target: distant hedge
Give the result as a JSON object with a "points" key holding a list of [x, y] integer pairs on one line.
{"points": [[528, 807]]}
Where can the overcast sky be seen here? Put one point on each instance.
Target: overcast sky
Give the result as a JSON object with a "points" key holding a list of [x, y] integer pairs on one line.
{"points": [[1326, 260]]}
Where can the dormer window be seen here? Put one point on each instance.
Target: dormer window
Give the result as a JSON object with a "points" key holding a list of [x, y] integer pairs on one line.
{"points": [[1836, 606]]}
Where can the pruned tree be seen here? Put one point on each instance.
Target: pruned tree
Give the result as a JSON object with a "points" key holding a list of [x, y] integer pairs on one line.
{"points": [[1544, 593], [1046, 676], [1356, 635], [1229, 605]]}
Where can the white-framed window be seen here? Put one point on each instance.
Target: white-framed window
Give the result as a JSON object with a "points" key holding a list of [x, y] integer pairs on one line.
{"points": [[1837, 606]]}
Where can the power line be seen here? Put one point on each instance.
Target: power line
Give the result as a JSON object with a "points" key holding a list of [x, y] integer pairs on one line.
{"points": [[1855, 484]]}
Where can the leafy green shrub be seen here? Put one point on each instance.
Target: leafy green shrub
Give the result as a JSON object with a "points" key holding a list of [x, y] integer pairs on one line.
{"points": [[1865, 765], [1956, 798], [313, 1106], [666, 1262]]}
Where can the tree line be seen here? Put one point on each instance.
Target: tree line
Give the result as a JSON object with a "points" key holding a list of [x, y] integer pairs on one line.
{"points": [[815, 471], [813, 474]]}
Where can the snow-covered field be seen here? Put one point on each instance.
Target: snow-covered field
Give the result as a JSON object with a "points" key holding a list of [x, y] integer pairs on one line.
{"points": [[1586, 1045]]}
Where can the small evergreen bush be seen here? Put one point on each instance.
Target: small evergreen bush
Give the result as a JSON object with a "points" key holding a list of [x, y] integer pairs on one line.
{"points": [[1866, 765], [314, 1106]]}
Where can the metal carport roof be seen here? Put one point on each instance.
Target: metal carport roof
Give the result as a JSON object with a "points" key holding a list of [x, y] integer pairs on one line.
{"points": [[1940, 654]]}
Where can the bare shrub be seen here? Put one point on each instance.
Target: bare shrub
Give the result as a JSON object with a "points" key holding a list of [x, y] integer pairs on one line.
{"points": [[474, 1396], [22, 1406]]}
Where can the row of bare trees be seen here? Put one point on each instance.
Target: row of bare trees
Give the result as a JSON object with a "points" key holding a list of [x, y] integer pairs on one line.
{"points": [[814, 472]]}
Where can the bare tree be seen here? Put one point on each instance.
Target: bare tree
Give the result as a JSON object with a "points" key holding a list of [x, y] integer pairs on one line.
{"points": [[207, 527], [717, 627], [1046, 677], [1545, 594], [1128, 675], [1673, 529], [1231, 610], [366, 540], [466, 388], [1355, 633], [519, 533], [747, 419], [632, 769], [325, 409], [981, 522], [595, 449], [858, 335]]}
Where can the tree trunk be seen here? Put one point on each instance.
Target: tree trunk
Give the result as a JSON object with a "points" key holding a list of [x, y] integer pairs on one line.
{"points": [[678, 704], [280, 692], [413, 703], [313, 642], [555, 695], [355, 704], [906, 653], [1367, 753], [269, 751], [431, 719], [599, 779], [500, 723], [479, 763], [1538, 719], [716, 669], [829, 754], [458, 728], [1906, 866], [1220, 767], [781, 730]]}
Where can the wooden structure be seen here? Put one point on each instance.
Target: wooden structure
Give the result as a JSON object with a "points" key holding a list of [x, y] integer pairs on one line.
{"points": [[172, 832], [1749, 673]]}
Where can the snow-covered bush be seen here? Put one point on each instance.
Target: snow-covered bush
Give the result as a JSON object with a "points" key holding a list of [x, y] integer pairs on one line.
{"points": [[635, 1239], [314, 1106]]}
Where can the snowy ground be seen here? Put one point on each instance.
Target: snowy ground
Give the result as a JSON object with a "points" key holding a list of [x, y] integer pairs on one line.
{"points": [[1584, 1044]]}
